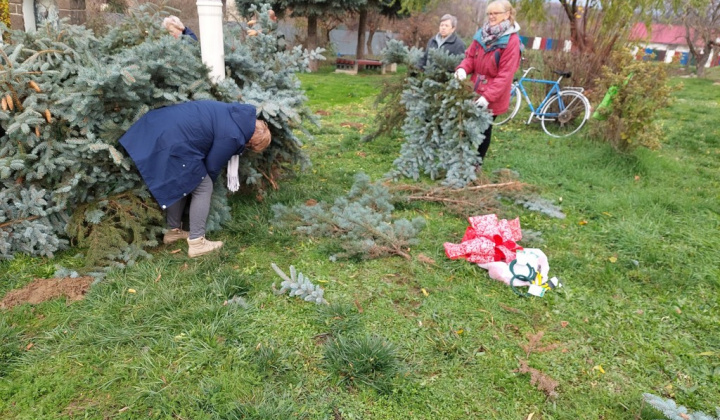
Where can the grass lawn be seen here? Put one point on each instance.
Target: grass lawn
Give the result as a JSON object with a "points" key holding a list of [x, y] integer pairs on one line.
{"points": [[638, 253]]}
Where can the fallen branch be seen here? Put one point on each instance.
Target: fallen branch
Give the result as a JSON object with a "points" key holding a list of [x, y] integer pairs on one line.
{"points": [[436, 199], [12, 222], [482, 187]]}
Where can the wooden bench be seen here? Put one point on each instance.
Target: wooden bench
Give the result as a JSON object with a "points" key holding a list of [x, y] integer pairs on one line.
{"points": [[351, 66]]}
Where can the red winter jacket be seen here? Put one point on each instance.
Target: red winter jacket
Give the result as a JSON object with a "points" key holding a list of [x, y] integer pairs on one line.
{"points": [[498, 76]]}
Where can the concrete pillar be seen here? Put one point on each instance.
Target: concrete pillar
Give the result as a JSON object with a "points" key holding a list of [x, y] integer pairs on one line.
{"points": [[212, 46]]}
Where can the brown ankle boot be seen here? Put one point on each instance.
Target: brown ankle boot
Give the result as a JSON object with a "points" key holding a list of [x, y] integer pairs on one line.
{"points": [[202, 246], [173, 235]]}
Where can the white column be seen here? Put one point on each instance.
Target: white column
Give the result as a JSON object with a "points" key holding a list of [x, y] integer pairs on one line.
{"points": [[212, 46], [28, 12]]}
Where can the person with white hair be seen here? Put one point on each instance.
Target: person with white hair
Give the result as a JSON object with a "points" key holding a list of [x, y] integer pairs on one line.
{"points": [[446, 39], [176, 28]]}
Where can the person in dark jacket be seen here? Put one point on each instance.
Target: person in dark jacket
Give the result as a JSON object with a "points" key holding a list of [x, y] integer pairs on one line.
{"points": [[445, 39], [177, 29], [180, 150], [492, 60]]}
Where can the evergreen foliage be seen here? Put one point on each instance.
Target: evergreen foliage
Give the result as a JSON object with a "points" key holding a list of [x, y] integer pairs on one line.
{"points": [[299, 285], [673, 411], [395, 51], [362, 221], [443, 127], [392, 113], [68, 96], [541, 205]]}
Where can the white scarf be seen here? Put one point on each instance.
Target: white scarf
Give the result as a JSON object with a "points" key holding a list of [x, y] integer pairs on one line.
{"points": [[233, 178]]}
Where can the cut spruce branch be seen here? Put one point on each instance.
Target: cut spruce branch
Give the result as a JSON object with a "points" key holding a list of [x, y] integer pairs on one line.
{"points": [[298, 285]]}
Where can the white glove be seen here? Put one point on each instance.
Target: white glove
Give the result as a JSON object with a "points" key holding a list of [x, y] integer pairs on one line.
{"points": [[482, 102], [460, 74]]}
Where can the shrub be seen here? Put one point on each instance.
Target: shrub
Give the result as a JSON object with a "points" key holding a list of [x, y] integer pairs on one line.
{"points": [[627, 121]]}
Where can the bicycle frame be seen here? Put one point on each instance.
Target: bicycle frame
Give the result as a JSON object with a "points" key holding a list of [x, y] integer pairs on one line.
{"points": [[554, 90], [562, 112]]}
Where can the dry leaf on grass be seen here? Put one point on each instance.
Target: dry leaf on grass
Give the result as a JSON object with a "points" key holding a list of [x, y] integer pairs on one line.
{"points": [[510, 309], [540, 380], [425, 259], [533, 345]]}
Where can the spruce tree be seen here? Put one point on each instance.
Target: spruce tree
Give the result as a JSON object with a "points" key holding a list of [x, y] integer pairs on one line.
{"points": [[67, 97], [443, 127]]}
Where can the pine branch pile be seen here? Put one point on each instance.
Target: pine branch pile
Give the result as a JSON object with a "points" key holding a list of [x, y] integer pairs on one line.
{"points": [[443, 127], [362, 222], [488, 194], [299, 285], [68, 96]]}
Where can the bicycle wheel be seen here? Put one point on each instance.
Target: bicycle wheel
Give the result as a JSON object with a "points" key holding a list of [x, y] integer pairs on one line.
{"points": [[515, 102], [565, 113]]}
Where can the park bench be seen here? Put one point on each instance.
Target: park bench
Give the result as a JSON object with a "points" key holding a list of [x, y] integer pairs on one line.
{"points": [[351, 66]]}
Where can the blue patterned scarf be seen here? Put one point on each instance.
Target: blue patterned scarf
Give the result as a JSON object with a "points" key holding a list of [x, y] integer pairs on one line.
{"points": [[489, 36]]}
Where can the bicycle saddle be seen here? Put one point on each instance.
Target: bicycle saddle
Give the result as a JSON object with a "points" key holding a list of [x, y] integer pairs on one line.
{"points": [[562, 73]]}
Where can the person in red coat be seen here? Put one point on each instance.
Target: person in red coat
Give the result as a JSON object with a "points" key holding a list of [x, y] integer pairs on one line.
{"points": [[492, 60]]}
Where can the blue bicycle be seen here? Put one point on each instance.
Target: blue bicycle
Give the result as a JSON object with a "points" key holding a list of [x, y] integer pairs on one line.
{"points": [[561, 113]]}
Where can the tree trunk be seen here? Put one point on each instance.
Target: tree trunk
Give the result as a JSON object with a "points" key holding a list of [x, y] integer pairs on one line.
{"points": [[577, 33], [702, 59], [360, 52], [371, 34], [312, 40]]}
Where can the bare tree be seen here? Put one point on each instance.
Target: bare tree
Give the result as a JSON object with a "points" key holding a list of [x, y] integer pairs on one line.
{"points": [[702, 29], [597, 25]]}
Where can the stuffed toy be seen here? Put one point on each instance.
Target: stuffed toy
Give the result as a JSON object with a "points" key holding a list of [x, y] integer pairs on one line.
{"points": [[500, 270]]}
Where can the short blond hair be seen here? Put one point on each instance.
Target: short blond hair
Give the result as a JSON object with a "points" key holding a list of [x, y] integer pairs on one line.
{"points": [[261, 138], [507, 7], [173, 22]]}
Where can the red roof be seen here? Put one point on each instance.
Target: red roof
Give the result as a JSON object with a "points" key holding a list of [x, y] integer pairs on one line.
{"points": [[659, 34]]}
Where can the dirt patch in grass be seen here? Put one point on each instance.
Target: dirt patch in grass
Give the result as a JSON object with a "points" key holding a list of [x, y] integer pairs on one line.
{"points": [[41, 290]]}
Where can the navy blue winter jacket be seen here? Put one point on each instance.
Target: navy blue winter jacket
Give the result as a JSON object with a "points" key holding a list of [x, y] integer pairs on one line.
{"points": [[176, 147], [188, 32]]}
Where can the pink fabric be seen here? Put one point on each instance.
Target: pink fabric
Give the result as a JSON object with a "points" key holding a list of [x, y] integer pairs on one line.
{"points": [[486, 240], [498, 78]]}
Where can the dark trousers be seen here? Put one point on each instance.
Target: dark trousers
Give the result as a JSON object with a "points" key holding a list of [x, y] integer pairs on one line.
{"points": [[485, 145]]}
